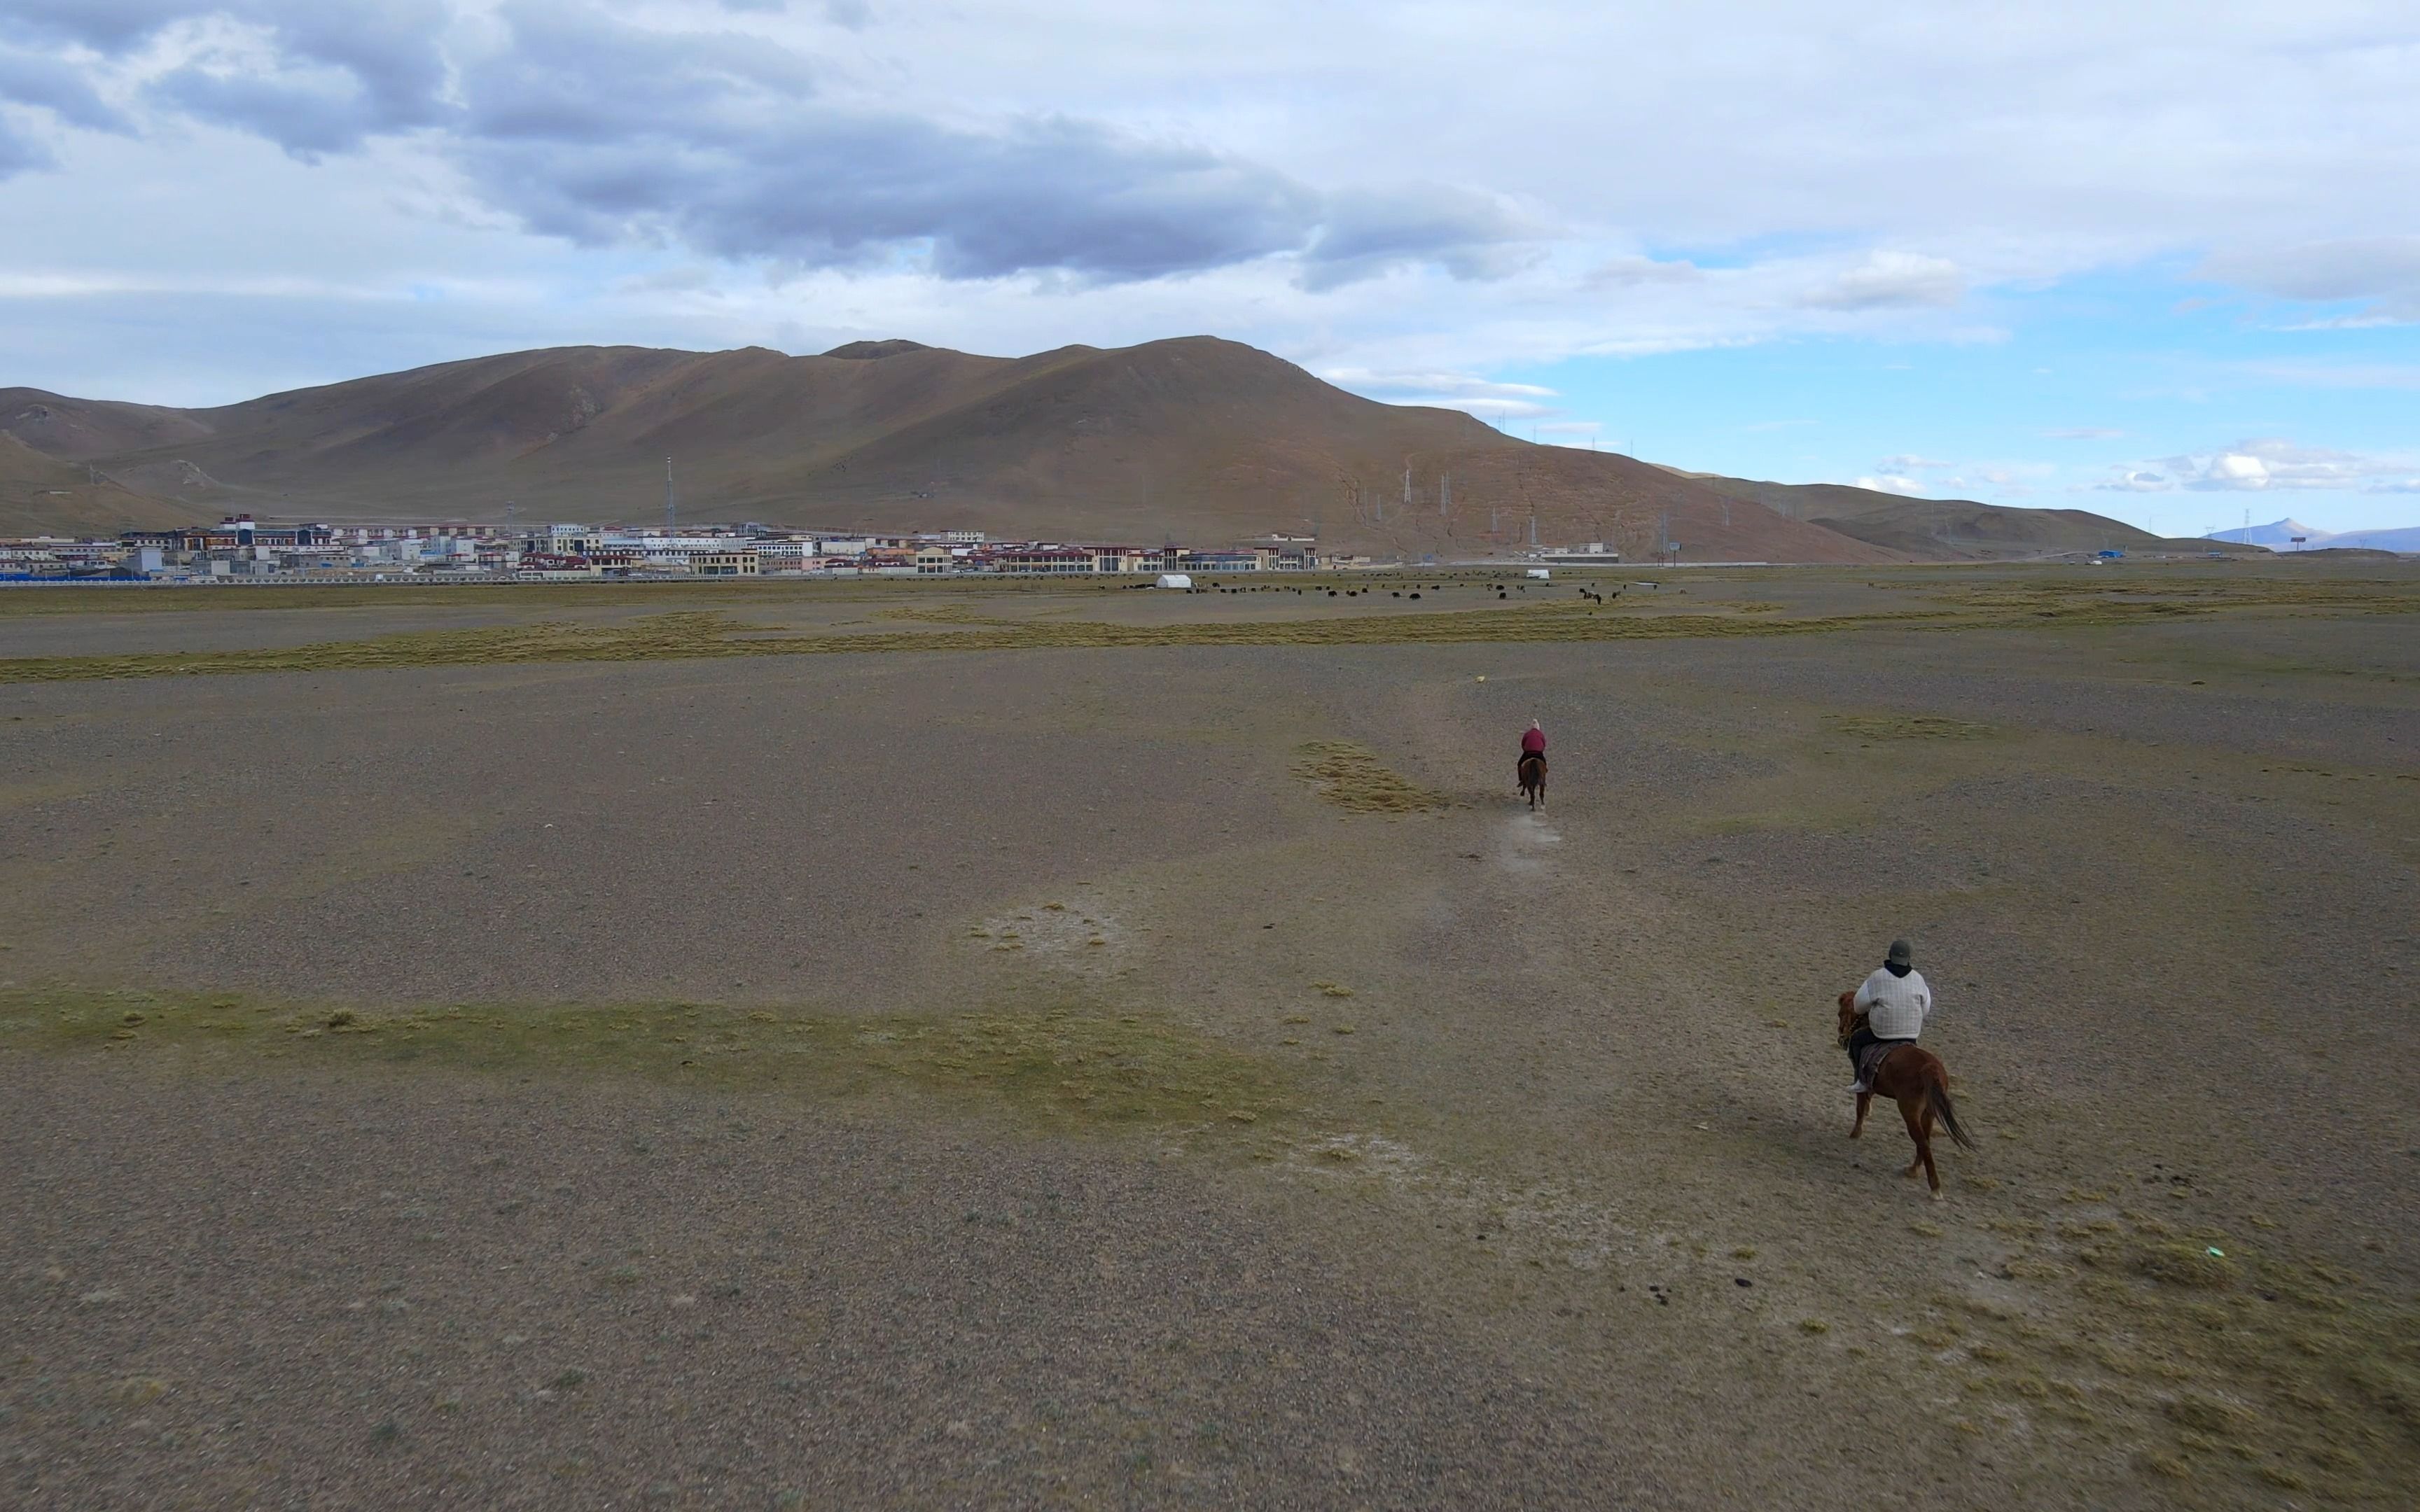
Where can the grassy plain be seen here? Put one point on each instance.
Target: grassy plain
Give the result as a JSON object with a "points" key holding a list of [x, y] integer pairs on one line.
{"points": [[907, 1044]]}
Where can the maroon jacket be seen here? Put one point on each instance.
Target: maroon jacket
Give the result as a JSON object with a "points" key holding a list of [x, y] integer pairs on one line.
{"points": [[1533, 743]]}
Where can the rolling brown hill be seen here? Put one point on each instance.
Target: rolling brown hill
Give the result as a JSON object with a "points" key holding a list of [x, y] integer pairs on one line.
{"points": [[41, 495], [1949, 529], [1198, 440]]}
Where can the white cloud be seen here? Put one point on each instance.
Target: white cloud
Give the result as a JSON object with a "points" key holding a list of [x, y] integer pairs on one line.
{"points": [[2138, 480], [2318, 374], [1435, 384], [1889, 280], [1467, 391], [2263, 466], [2383, 268], [1630, 273], [1014, 176], [1891, 483]]}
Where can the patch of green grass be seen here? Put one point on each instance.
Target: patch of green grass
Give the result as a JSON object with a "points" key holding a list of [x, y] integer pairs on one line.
{"points": [[2186, 1265], [2257, 1365], [1908, 726], [2102, 597], [1351, 776], [694, 634], [2048, 598], [1063, 1066]]}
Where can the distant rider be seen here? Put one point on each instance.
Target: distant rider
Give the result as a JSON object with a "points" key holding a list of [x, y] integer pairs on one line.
{"points": [[1891, 1007], [1533, 743]]}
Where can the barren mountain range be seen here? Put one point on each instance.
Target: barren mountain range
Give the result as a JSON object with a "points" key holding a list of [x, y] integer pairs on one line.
{"points": [[1196, 439]]}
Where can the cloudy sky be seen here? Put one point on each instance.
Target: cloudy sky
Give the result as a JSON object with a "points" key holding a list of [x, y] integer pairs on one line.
{"points": [[2159, 260]]}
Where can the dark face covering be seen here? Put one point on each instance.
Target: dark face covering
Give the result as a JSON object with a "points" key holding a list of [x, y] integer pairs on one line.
{"points": [[1898, 970]]}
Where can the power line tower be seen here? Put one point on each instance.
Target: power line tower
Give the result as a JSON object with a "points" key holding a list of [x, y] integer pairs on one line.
{"points": [[672, 500], [1445, 494]]}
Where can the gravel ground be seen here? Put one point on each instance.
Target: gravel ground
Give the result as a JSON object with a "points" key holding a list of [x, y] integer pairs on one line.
{"points": [[1567, 1220], [494, 1295]]}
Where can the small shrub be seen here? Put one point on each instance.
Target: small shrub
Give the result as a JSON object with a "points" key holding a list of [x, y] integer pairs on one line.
{"points": [[2186, 1265]]}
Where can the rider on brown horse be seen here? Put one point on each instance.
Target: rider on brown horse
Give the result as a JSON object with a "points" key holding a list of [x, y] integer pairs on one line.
{"points": [[1879, 1022], [1891, 1007], [1529, 772]]}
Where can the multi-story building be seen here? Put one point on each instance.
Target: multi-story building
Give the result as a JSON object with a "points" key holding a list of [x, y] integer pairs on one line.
{"points": [[1041, 558], [236, 532], [785, 553], [548, 567]]}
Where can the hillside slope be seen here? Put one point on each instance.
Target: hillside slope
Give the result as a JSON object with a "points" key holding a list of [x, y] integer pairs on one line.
{"points": [[41, 495], [1198, 440], [1945, 530]]}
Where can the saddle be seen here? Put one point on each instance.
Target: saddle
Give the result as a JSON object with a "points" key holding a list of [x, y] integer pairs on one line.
{"points": [[1870, 1059]]}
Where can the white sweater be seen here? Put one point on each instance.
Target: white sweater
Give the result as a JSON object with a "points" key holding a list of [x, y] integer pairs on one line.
{"points": [[1895, 1007]]}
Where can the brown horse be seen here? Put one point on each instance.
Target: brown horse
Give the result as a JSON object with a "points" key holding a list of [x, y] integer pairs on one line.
{"points": [[1533, 778], [1915, 1079]]}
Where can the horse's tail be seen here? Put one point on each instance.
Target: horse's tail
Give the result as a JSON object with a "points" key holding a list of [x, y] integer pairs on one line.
{"points": [[1936, 1096]]}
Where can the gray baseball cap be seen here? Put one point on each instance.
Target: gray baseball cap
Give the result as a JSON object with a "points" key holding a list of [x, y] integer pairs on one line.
{"points": [[1900, 955]]}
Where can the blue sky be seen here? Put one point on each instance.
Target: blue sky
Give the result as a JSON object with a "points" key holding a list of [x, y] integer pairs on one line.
{"points": [[2085, 386], [2161, 261]]}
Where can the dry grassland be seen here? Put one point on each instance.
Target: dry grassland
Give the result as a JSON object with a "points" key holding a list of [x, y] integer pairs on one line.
{"points": [[692, 634], [1352, 777], [2223, 1358], [1062, 1068], [1567, 1085], [2070, 602]]}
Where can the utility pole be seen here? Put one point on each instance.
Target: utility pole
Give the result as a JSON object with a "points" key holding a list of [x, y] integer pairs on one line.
{"points": [[672, 506], [1445, 494]]}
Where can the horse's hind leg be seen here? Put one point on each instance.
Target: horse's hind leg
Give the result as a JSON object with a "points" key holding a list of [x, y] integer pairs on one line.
{"points": [[1864, 1101], [1916, 1137], [1919, 1128]]}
